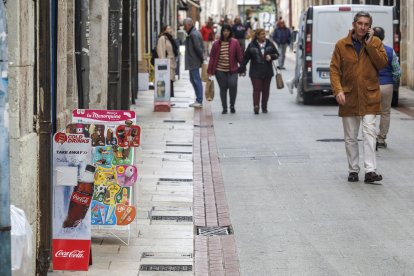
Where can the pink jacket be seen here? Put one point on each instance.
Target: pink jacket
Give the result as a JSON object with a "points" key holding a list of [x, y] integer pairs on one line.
{"points": [[235, 56]]}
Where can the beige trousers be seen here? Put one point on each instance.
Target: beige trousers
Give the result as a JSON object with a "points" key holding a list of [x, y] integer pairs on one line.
{"points": [[386, 98]]}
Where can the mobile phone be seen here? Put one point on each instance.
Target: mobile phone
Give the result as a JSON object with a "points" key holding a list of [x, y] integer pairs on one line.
{"points": [[366, 37]]}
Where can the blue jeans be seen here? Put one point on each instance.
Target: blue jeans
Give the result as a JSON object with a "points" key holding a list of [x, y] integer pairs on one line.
{"points": [[196, 82]]}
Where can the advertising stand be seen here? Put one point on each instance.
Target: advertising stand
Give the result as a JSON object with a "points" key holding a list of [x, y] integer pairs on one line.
{"points": [[72, 194], [93, 181], [115, 135], [162, 85]]}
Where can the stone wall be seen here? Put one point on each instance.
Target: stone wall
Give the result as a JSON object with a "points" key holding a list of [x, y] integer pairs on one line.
{"points": [[23, 138]]}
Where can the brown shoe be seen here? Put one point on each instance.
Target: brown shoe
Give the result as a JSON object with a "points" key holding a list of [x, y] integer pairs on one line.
{"points": [[256, 109]]}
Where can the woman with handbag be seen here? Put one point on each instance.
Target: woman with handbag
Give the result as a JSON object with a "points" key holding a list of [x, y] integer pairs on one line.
{"points": [[167, 48], [260, 52], [225, 56]]}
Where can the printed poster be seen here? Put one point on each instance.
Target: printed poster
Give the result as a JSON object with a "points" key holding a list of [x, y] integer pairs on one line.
{"points": [[73, 177]]}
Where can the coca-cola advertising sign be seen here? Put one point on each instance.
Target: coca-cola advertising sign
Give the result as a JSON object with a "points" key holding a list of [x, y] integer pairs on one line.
{"points": [[71, 254], [73, 176]]}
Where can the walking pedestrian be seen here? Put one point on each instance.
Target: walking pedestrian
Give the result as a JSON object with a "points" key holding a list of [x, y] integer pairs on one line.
{"points": [[355, 84], [388, 77], [239, 32], [168, 48], [281, 36], [194, 59], [226, 54], [207, 33], [261, 51]]}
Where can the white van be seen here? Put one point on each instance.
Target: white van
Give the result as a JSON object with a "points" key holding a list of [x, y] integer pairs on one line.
{"points": [[319, 30]]}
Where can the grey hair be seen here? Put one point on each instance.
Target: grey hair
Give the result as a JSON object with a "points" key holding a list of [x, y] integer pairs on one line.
{"points": [[363, 14], [187, 20]]}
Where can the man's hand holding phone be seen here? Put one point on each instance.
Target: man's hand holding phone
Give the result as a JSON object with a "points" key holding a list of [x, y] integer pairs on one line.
{"points": [[369, 35]]}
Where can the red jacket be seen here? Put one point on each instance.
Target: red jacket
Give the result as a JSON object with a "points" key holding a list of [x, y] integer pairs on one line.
{"points": [[235, 56], [207, 33]]}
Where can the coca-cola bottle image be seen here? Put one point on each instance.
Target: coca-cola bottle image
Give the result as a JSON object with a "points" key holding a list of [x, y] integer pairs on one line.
{"points": [[81, 198]]}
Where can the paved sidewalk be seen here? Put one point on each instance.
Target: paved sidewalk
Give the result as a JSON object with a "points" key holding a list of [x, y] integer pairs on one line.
{"points": [[177, 155]]}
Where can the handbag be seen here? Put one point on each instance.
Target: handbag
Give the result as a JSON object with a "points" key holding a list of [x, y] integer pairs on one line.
{"points": [[209, 93], [279, 78]]}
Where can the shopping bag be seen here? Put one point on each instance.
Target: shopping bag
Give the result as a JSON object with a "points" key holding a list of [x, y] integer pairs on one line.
{"points": [[204, 74], [279, 78], [209, 93], [279, 81]]}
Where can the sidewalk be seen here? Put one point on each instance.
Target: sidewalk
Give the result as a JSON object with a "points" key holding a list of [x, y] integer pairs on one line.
{"points": [[182, 225]]}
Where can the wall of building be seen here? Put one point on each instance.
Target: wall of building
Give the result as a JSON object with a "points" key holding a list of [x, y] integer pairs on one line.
{"points": [[98, 58], [407, 43], [23, 138]]}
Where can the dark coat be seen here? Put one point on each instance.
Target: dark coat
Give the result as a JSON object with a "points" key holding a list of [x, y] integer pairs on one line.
{"points": [[235, 56], [194, 49], [260, 68], [357, 76]]}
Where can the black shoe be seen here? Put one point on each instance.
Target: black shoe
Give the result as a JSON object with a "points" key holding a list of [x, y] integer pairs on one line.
{"points": [[224, 111], [372, 177], [256, 109], [264, 109], [232, 110], [353, 177], [279, 67]]}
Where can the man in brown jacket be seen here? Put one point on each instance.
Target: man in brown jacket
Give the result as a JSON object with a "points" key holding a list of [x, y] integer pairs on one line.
{"points": [[355, 85]]}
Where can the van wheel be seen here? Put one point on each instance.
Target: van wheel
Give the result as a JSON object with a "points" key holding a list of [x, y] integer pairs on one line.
{"points": [[308, 98]]}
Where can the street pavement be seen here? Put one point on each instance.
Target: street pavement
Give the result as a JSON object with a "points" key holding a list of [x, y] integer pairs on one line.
{"points": [[291, 209]]}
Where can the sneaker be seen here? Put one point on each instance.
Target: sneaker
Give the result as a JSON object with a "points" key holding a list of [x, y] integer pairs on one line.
{"points": [[372, 177], [196, 105], [353, 177], [382, 145]]}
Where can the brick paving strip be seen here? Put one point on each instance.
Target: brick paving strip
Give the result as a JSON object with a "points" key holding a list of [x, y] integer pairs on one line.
{"points": [[213, 255]]}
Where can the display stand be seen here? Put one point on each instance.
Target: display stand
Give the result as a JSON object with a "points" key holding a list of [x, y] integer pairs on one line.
{"points": [[110, 207]]}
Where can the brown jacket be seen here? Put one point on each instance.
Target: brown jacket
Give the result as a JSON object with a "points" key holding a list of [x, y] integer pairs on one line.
{"points": [[357, 76]]}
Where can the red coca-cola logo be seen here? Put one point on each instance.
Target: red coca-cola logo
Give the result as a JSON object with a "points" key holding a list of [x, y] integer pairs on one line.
{"points": [[81, 199], [60, 138], [75, 254]]}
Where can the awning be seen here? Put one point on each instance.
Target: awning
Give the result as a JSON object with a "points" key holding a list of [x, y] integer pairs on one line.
{"points": [[195, 4]]}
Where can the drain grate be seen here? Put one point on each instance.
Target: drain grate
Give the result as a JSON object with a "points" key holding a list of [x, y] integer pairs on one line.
{"points": [[175, 179], [174, 121], [178, 145], [149, 267], [167, 255], [214, 231], [178, 152], [203, 126], [174, 218]]}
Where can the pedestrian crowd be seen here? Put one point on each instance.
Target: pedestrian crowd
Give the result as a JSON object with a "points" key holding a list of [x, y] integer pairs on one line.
{"points": [[363, 72]]}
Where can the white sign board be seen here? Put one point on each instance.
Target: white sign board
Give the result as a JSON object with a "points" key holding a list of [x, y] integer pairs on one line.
{"points": [[162, 80]]}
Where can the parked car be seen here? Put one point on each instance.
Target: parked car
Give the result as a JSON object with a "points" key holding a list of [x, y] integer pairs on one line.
{"points": [[320, 27]]}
